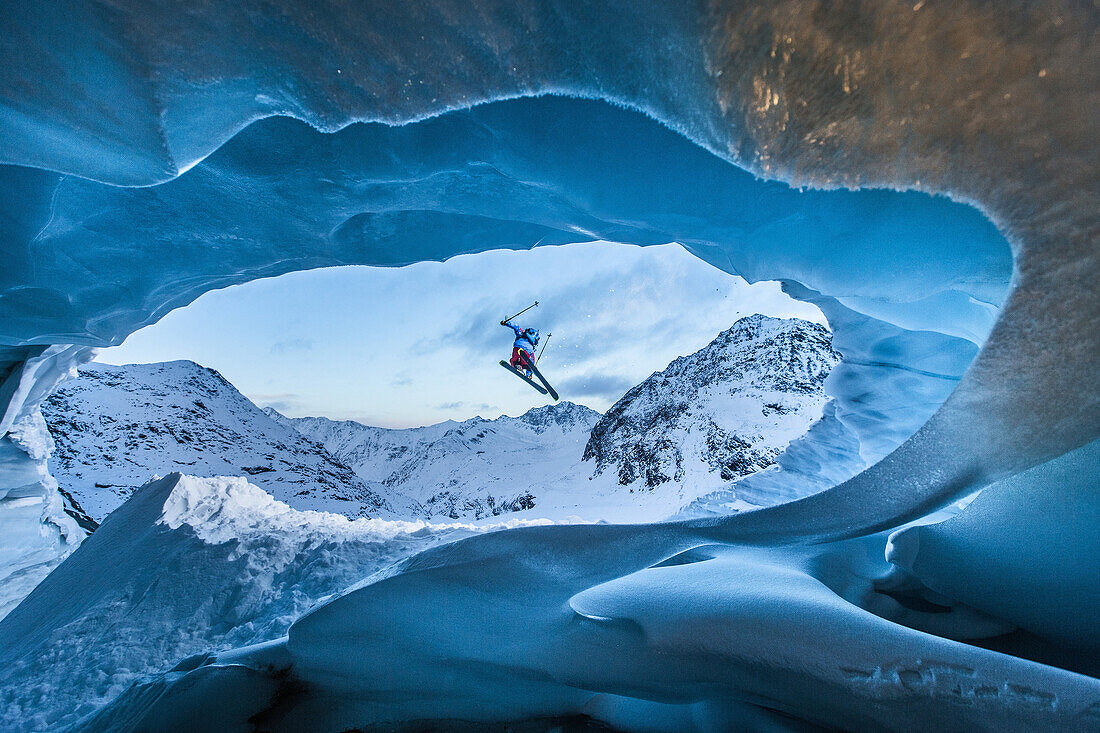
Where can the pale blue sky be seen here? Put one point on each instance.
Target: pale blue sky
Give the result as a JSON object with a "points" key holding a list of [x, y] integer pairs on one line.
{"points": [[417, 345]]}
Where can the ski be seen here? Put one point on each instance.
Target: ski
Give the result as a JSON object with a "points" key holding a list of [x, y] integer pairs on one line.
{"points": [[520, 374], [537, 373]]}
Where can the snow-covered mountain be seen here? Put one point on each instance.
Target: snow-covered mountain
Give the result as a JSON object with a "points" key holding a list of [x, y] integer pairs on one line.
{"points": [[476, 468], [724, 412], [116, 427], [707, 420]]}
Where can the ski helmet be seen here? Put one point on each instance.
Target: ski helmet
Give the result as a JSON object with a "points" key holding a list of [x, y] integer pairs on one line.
{"points": [[533, 334]]}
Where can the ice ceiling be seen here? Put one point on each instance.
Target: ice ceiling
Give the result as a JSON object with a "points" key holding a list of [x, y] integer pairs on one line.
{"points": [[153, 153]]}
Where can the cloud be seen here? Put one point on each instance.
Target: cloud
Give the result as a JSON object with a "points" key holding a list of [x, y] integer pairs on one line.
{"points": [[449, 406], [291, 345], [609, 387], [285, 403], [479, 330]]}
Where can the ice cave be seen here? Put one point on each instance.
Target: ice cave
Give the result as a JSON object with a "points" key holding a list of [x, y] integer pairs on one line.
{"points": [[925, 173]]}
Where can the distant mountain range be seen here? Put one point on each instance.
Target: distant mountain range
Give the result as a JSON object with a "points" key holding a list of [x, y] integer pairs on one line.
{"points": [[475, 468], [705, 421]]}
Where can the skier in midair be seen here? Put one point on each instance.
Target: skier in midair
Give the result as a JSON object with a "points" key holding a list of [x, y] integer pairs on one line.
{"points": [[523, 349]]}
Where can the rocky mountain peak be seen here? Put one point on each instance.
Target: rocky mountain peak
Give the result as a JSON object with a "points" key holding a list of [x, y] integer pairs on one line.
{"points": [[729, 408], [566, 415]]}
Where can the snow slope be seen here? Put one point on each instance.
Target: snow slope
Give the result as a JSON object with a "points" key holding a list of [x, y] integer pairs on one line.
{"points": [[186, 566], [115, 428]]}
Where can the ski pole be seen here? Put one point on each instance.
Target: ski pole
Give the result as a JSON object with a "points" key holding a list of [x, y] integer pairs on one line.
{"points": [[522, 311], [544, 343]]}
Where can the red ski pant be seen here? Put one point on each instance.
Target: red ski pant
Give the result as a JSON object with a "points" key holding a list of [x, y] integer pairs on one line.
{"points": [[520, 358]]}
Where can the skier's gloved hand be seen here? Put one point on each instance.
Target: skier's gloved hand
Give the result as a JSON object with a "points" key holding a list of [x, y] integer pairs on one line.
{"points": [[504, 323]]}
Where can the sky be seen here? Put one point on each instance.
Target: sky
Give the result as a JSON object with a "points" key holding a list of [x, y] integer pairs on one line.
{"points": [[399, 347]]}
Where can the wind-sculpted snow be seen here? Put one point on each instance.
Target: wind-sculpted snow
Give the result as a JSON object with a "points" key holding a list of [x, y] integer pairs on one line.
{"points": [[187, 566], [990, 103], [654, 628], [1042, 576]]}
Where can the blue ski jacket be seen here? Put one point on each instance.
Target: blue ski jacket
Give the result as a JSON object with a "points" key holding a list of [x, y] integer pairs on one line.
{"points": [[523, 341]]}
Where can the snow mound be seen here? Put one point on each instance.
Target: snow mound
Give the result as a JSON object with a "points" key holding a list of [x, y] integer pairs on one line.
{"points": [[1025, 550], [187, 565]]}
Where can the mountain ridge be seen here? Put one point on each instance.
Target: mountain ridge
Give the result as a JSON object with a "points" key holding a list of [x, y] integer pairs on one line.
{"points": [[116, 427]]}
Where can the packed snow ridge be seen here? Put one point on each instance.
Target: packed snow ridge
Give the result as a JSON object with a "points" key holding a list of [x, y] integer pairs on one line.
{"points": [[185, 566]]}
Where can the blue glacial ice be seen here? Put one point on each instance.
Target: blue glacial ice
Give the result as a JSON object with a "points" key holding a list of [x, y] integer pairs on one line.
{"points": [[152, 154]]}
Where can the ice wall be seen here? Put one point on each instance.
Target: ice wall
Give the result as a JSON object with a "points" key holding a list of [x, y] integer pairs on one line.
{"points": [[36, 533]]}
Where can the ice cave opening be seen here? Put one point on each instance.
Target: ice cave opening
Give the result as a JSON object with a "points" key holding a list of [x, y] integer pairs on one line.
{"points": [[930, 188], [677, 381]]}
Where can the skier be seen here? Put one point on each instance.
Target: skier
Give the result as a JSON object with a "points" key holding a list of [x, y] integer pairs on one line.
{"points": [[523, 355], [523, 349]]}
